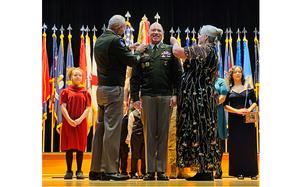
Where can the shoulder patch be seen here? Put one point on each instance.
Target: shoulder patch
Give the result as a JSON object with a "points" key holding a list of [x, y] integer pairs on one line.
{"points": [[122, 43]]}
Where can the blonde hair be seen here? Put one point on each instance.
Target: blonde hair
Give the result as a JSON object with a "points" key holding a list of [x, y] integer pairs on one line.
{"points": [[70, 72]]}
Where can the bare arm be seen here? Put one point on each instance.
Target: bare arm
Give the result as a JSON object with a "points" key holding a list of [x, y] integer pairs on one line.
{"points": [[241, 111], [251, 107], [66, 115], [177, 50]]}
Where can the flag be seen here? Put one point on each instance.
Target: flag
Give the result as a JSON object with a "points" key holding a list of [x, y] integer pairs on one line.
{"points": [[187, 40], [46, 78], [94, 86], [143, 36], [82, 60], [52, 77], [256, 56], [178, 39], [59, 82], [194, 40], [128, 34], [70, 60], [226, 65], [238, 59], [230, 58], [247, 66], [256, 70], [219, 53], [88, 75]]}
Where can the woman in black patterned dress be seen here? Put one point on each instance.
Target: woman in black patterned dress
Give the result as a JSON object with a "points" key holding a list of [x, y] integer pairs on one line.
{"points": [[197, 105]]}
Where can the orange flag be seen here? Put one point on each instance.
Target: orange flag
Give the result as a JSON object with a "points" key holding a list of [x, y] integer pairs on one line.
{"points": [[45, 74], [82, 60]]}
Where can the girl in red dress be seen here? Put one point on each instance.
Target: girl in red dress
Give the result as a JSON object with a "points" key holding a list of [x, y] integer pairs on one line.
{"points": [[75, 104]]}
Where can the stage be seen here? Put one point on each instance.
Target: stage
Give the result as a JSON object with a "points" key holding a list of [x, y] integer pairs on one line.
{"points": [[54, 168]]}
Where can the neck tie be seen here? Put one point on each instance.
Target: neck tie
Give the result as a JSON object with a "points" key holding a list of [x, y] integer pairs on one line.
{"points": [[155, 51]]}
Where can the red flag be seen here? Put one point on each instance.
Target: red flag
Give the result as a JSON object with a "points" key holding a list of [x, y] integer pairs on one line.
{"points": [[82, 60], [45, 74]]}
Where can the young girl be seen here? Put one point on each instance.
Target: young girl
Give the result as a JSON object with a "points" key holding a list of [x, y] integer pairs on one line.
{"points": [[75, 104]]}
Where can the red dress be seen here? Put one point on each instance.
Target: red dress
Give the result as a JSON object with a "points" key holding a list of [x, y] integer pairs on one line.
{"points": [[76, 99]]}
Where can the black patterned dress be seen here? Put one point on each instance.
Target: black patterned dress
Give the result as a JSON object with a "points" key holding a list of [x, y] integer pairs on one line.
{"points": [[197, 110]]}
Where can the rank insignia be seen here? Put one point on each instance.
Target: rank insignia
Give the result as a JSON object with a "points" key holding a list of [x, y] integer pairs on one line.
{"points": [[166, 54], [147, 64]]}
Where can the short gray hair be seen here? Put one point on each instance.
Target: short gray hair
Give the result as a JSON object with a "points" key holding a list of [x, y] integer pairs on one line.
{"points": [[116, 22]]}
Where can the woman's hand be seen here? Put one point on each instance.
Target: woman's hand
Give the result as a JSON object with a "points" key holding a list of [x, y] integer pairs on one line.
{"points": [[173, 40], [222, 99], [242, 111]]}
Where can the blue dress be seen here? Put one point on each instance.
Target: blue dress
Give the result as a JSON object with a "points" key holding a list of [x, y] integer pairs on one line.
{"points": [[221, 88]]}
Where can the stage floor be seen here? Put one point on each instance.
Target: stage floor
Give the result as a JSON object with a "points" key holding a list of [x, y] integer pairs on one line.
{"points": [[227, 181], [54, 168]]}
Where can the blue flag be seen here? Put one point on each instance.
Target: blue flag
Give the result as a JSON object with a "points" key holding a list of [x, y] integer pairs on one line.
{"points": [[70, 60], [128, 34], [247, 65], [54, 56], [59, 81], [52, 76], [238, 59], [219, 53]]}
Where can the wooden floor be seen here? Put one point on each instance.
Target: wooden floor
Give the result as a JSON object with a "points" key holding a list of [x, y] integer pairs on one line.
{"points": [[49, 181], [54, 168]]}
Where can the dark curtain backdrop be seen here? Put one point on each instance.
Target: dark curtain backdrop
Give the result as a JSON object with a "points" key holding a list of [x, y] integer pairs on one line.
{"points": [[173, 13], [185, 13]]}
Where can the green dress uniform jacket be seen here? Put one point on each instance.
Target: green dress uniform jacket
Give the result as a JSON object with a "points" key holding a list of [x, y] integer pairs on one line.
{"points": [[157, 74], [112, 57]]}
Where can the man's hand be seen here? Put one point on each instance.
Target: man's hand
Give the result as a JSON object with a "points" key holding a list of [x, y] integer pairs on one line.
{"points": [[173, 101], [134, 46], [141, 48]]}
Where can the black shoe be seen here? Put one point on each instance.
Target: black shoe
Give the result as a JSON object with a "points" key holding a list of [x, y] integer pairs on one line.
{"points": [[218, 174], [161, 176], [68, 175], [201, 177], [141, 176], [240, 177], [134, 176], [149, 176], [79, 175], [94, 176], [116, 176]]}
